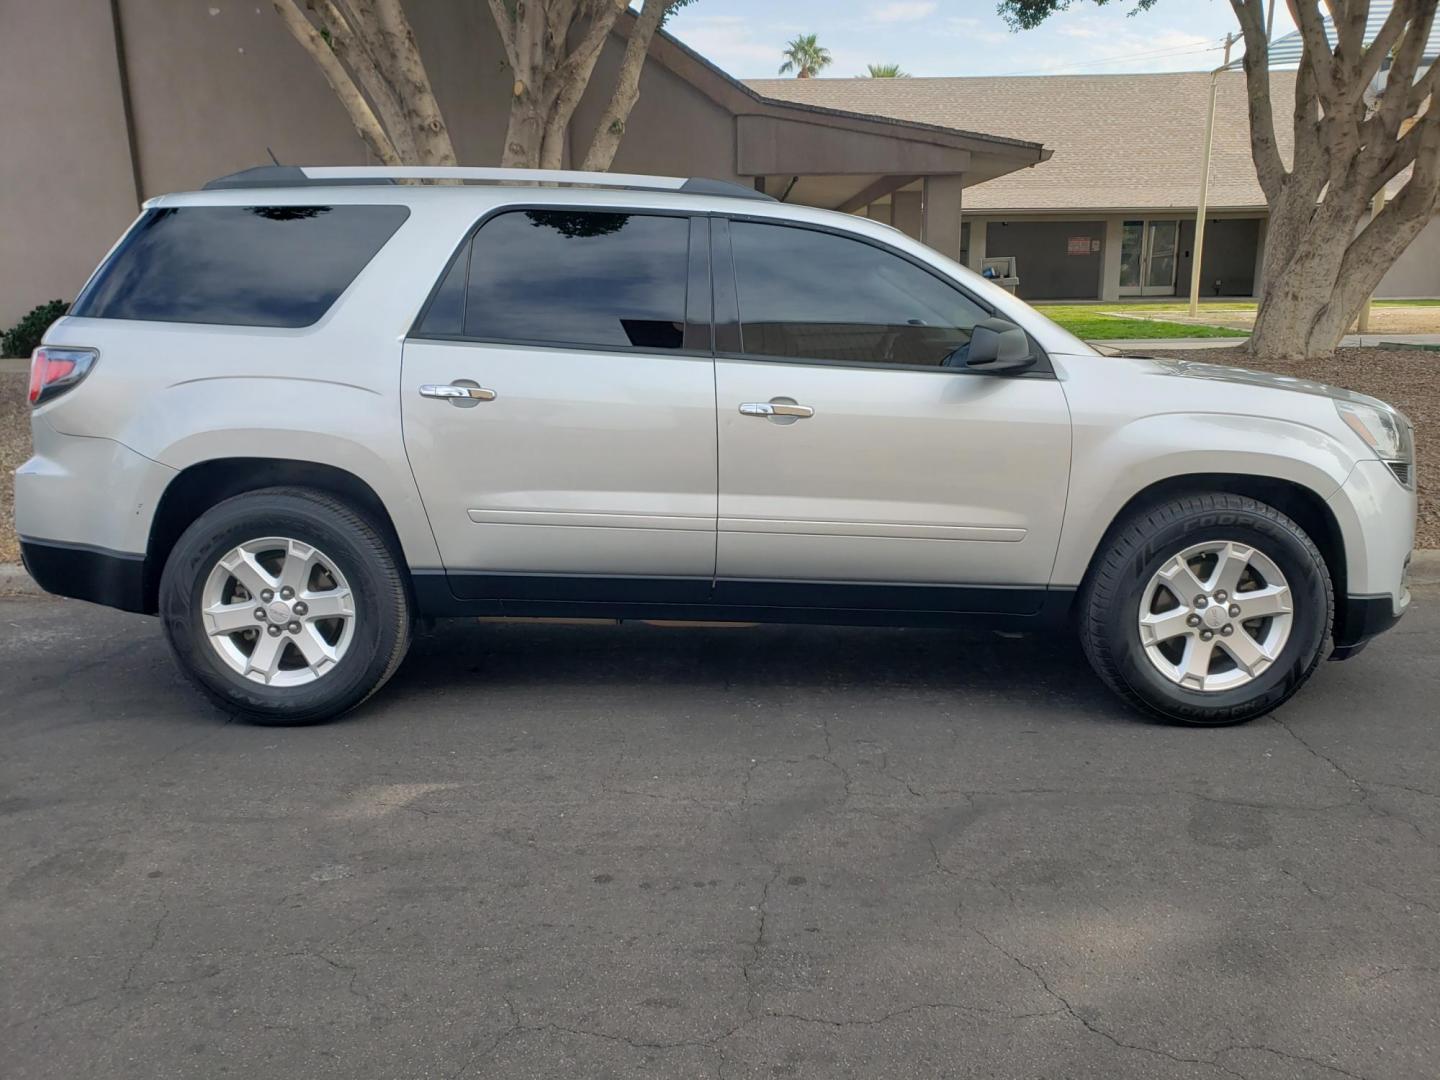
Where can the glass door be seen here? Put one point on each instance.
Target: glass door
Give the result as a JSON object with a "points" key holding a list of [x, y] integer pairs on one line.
{"points": [[1148, 257], [1132, 256], [1163, 241]]}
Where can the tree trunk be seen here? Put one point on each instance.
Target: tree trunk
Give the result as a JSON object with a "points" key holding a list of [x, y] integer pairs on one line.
{"points": [[412, 83], [367, 125], [1320, 265], [367, 53], [611, 127], [525, 131]]}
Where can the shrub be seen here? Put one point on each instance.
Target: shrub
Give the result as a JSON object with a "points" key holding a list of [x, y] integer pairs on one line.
{"points": [[23, 338]]}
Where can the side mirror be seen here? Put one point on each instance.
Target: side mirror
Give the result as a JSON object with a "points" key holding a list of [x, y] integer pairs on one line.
{"points": [[998, 346]]}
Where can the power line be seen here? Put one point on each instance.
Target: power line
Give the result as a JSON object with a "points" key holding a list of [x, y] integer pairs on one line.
{"points": [[1189, 50]]}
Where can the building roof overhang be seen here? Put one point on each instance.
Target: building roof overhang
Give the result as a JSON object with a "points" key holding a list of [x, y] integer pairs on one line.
{"points": [[829, 157]]}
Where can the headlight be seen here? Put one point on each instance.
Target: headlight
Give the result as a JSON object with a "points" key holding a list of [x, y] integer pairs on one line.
{"points": [[1385, 432]]}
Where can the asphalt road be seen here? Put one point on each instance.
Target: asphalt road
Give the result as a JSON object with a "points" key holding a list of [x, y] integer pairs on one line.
{"points": [[597, 851]]}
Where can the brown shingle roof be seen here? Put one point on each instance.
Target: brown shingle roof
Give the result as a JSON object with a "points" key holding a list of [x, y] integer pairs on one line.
{"points": [[1126, 142]]}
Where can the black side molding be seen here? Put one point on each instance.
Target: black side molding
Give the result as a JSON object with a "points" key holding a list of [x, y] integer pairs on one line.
{"points": [[440, 595]]}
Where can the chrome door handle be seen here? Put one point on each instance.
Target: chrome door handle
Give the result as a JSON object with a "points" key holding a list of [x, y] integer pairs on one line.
{"points": [[776, 408], [457, 392]]}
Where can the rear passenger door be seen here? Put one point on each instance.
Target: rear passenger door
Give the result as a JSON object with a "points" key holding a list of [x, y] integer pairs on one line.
{"points": [[559, 408]]}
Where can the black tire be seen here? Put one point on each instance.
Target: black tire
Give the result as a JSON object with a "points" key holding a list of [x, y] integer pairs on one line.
{"points": [[1137, 548], [382, 607]]}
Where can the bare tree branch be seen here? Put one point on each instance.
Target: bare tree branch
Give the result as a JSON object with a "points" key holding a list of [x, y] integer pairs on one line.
{"points": [[611, 126], [571, 78], [1378, 49], [361, 115], [412, 81], [360, 60], [1316, 47], [1263, 147], [506, 26]]}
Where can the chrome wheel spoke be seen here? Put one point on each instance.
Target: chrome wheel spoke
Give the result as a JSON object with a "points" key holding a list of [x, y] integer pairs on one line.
{"points": [[1230, 564], [332, 604], [1155, 628], [1260, 603], [1181, 580], [300, 562], [230, 618], [246, 569], [264, 659], [1247, 653], [318, 652], [1195, 664]]}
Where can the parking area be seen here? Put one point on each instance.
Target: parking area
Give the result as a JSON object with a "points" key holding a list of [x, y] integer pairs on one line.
{"points": [[556, 851]]}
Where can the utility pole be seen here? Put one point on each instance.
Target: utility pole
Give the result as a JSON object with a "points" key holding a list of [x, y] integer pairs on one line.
{"points": [[1199, 245]]}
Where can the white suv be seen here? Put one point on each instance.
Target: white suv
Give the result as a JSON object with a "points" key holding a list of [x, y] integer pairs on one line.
{"points": [[298, 410]]}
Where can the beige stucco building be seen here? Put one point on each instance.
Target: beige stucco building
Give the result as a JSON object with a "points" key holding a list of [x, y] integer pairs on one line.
{"points": [[1111, 214]]}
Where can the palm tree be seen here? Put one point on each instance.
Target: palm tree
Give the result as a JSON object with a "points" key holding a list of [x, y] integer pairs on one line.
{"points": [[884, 71], [804, 56]]}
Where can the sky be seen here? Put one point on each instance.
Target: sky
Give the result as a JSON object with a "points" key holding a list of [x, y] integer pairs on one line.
{"points": [[960, 37]]}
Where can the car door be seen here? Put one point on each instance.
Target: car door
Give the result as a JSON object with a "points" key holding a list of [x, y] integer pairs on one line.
{"points": [[559, 409], [861, 464]]}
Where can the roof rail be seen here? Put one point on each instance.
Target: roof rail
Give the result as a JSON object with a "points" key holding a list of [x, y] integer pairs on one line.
{"points": [[301, 176]]}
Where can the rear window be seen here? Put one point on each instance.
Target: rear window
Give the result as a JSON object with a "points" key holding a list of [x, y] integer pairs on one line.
{"points": [[277, 266]]}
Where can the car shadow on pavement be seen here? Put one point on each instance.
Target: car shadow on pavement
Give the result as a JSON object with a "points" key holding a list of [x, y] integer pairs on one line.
{"points": [[1020, 670]]}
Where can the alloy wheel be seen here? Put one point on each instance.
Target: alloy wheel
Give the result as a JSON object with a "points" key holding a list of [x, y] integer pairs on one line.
{"points": [[1215, 616], [278, 611]]}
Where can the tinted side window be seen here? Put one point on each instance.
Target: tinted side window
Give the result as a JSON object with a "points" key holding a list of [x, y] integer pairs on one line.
{"points": [[446, 314], [813, 295], [238, 265], [569, 277]]}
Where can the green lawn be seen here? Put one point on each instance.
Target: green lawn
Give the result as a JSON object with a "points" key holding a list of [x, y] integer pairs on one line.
{"points": [[1095, 322]]}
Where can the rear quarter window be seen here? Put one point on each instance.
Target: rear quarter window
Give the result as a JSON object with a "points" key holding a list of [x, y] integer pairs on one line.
{"points": [[279, 266]]}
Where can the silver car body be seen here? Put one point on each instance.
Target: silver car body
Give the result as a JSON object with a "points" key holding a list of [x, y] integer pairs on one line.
{"points": [[624, 471]]}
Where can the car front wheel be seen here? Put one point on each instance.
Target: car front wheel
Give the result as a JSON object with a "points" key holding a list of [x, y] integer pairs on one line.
{"points": [[1209, 609], [285, 606]]}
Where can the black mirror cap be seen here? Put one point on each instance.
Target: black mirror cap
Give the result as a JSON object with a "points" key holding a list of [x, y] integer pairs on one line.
{"points": [[998, 345]]}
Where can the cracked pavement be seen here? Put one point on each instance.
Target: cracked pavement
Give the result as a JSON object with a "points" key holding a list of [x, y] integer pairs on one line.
{"points": [[556, 851]]}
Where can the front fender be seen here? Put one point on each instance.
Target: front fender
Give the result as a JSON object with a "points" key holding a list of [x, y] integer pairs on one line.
{"points": [[1113, 464]]}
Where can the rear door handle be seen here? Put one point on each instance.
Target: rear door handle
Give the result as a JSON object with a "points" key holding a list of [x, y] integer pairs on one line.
{"points": [[776, 408]]}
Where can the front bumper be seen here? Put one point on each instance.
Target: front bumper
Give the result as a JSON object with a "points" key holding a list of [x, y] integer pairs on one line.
{"points": [[1360, 619], [1376, 516]]}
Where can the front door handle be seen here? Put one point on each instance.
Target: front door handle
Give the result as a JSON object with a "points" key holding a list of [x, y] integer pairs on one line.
{"points": [[776, 408], [462, 392]]}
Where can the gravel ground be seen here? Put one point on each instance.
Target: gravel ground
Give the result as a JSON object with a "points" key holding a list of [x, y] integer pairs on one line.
{"points": [[14, 448], [1409, 379]]}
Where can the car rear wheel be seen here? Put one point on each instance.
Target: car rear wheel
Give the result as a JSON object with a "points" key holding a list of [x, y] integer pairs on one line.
{"points": [[285, 606], [1209, 609]]}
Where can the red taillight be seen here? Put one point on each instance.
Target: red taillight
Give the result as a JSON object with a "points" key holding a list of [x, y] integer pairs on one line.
{"points": [[54, 370]]}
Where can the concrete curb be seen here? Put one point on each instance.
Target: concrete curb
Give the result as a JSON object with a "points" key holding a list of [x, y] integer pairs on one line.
{"points": [[1425, 567], [14, 581]]}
